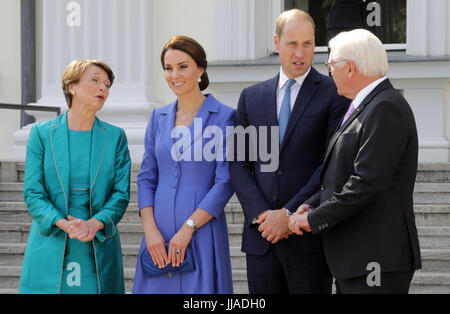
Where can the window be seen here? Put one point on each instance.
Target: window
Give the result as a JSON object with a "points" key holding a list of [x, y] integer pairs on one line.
{"points": [[385, 18]]}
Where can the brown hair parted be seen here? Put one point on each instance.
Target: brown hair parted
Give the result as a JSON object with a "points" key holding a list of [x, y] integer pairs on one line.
{"points": [[75, 71], [293, 14], [193, 49]]}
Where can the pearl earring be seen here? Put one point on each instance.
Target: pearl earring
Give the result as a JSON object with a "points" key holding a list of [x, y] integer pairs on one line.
{"points": [[199, 79]]}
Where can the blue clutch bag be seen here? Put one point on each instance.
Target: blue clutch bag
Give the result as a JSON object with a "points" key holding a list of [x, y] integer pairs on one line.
{"points": [[152, 270]]}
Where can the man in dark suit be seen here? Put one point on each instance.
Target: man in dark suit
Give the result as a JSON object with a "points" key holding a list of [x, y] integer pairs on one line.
{"points": [[366, 215], [305, 106]]}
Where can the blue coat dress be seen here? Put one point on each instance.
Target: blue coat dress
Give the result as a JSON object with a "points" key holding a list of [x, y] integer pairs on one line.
{"points": [[177, 184]]}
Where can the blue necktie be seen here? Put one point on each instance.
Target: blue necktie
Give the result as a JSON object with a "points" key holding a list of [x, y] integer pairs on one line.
{"points": [[285, 110]]}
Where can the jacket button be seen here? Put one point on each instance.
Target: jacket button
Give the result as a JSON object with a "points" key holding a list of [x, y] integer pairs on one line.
{"points": [[274, 198], [279, 172]]}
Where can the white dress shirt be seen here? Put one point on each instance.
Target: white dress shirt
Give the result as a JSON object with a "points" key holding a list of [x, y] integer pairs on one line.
{"points": [[295, 88]]}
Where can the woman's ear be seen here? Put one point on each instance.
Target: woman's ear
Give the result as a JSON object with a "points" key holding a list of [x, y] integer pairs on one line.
{"points": [[201, 70]]}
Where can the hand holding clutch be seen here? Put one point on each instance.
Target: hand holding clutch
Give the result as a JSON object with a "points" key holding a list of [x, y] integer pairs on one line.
{"points": [[151, 270]]}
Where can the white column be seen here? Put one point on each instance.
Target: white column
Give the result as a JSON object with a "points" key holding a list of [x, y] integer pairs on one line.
{"points": [[242, 29], [428, 31], [428, 35], [424, 87], [114, 31]]}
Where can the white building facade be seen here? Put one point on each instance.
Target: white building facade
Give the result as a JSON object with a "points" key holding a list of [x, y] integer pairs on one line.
{"points": [[237, 36]]}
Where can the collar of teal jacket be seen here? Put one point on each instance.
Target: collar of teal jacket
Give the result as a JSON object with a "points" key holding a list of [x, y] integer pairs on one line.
{"points": [[60, 149]]}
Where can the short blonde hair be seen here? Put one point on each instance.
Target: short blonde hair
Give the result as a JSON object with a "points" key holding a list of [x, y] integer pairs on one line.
{"points": [[75, 71], [293, 14], [362, 47]]}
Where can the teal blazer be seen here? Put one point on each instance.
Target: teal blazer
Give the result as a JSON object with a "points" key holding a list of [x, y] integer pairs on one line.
{"points": [[46, 193]]}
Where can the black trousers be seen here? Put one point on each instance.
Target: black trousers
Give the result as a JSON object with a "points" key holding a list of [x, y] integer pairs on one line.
{"points": [[390, 283], [288, 268]]}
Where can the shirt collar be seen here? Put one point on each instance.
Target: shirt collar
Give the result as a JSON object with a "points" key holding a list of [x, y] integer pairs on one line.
{"points": [[366, 91], [284, 78]]}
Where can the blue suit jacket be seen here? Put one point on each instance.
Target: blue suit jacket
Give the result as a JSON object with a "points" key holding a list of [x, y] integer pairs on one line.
{"points": [[317, 112]]}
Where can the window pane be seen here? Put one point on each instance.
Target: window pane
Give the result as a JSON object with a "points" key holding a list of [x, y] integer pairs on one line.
{"points": [[385, 18]]}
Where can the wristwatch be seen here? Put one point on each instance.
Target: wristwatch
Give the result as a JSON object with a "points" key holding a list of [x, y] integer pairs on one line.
{"points": [[191, 223]]}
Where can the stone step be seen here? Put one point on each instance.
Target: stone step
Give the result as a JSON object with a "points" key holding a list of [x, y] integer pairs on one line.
{"points": [[424, 193], [426, 172], [10, 277], [16, 211], [432, 214], [11, 191], [430, 237], [423, 282], [433, 260], [430, 283], [9, 291], [434, 237], [431, 193], [426, 214], [433, 172], [11, 254], [14, 232], [130, 233], [233, 213]]}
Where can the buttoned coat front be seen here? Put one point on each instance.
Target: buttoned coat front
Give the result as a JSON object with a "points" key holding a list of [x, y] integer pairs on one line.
{"points": [[176, 185], [46, 193]]}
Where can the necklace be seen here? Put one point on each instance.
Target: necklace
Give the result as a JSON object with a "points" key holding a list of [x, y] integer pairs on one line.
{"points": [[185, 114]]}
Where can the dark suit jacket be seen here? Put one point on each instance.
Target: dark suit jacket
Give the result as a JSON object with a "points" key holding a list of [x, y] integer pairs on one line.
{"points": [[316, 113], [366, 213], [346, 15]]}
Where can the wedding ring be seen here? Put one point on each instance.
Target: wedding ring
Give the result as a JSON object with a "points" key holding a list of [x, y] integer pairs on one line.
{"points": [[177, 251]]}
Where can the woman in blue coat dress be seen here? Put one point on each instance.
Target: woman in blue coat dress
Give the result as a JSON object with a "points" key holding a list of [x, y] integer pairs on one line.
{"points": [[182, 191]]}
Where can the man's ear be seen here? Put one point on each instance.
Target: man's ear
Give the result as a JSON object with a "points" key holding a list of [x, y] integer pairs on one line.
{"points": [[276, 42], [351, 70]]}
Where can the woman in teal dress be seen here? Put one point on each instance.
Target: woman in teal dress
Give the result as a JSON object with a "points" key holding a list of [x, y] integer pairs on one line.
{"points": [[76, 188]]}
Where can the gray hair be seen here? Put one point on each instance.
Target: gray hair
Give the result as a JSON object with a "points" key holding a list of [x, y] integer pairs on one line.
{"points": [[362, 47]]}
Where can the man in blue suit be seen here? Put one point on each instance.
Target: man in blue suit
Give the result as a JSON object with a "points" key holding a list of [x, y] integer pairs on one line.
{"points": [[306, 107]]}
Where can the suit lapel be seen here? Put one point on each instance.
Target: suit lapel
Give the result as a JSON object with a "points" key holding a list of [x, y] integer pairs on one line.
{"points": [[98, 145], [382, 86], [59, 140], [305, 94], [269, 101]]}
